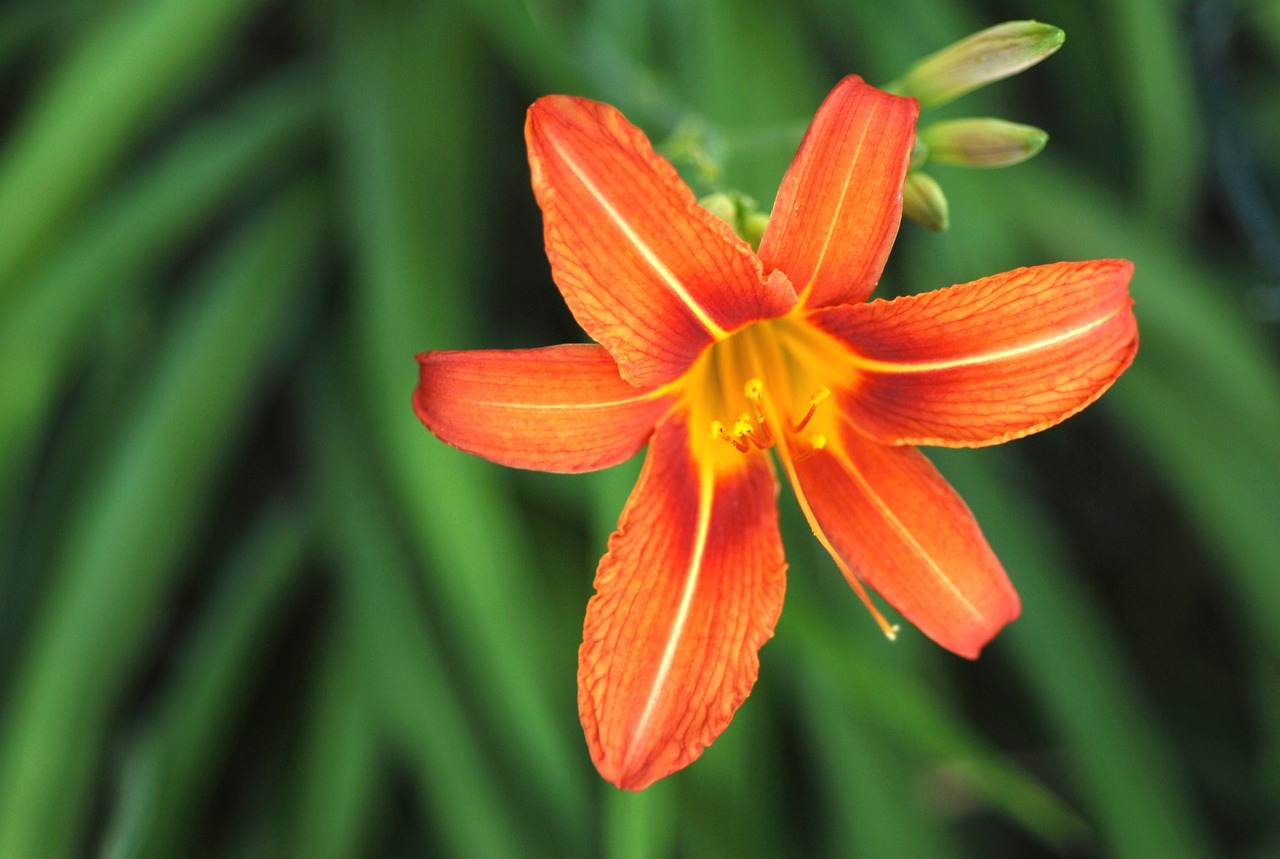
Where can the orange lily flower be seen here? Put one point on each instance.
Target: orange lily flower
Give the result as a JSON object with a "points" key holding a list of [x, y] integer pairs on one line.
{"points": [[714, 355]]}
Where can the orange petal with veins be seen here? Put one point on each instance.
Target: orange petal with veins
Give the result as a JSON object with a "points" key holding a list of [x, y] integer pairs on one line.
{"points": [[838, 208], [649, 274], [987, 361], [690, 589], [896, 525], [560, 408]]}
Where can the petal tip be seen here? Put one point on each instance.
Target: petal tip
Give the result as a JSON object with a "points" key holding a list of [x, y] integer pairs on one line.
{"points": [[972, 647]]}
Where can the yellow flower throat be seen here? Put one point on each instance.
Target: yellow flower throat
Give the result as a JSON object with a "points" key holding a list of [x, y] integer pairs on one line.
{"points": [[764, 387]]}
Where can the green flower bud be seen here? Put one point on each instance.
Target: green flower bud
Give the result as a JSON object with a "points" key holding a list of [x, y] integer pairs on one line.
{"points": [[982, 142], [990, 55], [919, 154], [722, 206], [924, 202], [738, 211], [753, 227]]}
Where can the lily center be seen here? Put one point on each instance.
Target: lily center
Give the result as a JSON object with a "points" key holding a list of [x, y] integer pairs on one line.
{"points": [[768, 385]]}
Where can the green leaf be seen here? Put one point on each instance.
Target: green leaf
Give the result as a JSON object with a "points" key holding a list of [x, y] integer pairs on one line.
{"points": [[165, 781], [869, 789], [131, 233], [125, 536], [890, 704], [131, 64], [401, 667], [339, 781], [1127, 771]]}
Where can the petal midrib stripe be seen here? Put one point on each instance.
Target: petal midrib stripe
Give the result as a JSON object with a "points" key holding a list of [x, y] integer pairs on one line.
{"points": [[903, 531], [626, 401], [652, 259], [835, 219], [862, 362], [692, 576]]}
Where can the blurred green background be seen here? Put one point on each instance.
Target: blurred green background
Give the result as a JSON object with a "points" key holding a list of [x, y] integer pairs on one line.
{"points": [[249, 606]]}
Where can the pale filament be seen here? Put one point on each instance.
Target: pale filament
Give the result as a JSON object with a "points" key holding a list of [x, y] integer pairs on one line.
{"points": [[818, 396]]}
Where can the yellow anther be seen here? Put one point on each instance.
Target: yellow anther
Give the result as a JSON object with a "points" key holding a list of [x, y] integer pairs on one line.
{"points": [[817, 441], [749, 428], [754, 392], [718, 431]]}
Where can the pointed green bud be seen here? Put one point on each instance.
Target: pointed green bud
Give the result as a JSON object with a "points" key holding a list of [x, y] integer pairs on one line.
{"points": [[924, 202], [990, 55], [982, 142]]}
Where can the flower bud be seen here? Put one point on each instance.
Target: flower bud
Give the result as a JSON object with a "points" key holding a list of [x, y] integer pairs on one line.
{"points": [[919, 154], [924, 202], [722, 206], [753, 227], [982, 142], [984, 57], [739, 212]]}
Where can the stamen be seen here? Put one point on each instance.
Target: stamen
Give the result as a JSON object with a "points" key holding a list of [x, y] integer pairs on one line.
{"points": [[890, 630], [718, 431], [752, 428], [818, 396], [817, 442], [754, 392], [744, 429]]}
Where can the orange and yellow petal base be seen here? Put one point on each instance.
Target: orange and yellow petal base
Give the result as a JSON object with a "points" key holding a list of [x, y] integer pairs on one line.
{"points": [[560, 408], [690, 589]]}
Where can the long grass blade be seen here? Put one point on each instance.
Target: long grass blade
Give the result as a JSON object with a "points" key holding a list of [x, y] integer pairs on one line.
{"points": [[338, 779], [1126, 769], [166, 779], [136, 229], [132, 63], [403, 671], [125, 537]]}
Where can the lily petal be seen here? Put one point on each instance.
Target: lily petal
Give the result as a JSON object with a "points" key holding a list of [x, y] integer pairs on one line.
{"points": [[690, 589], [893, 523], [560, 408], [991, 360], [649, 274], [838, 209]]}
